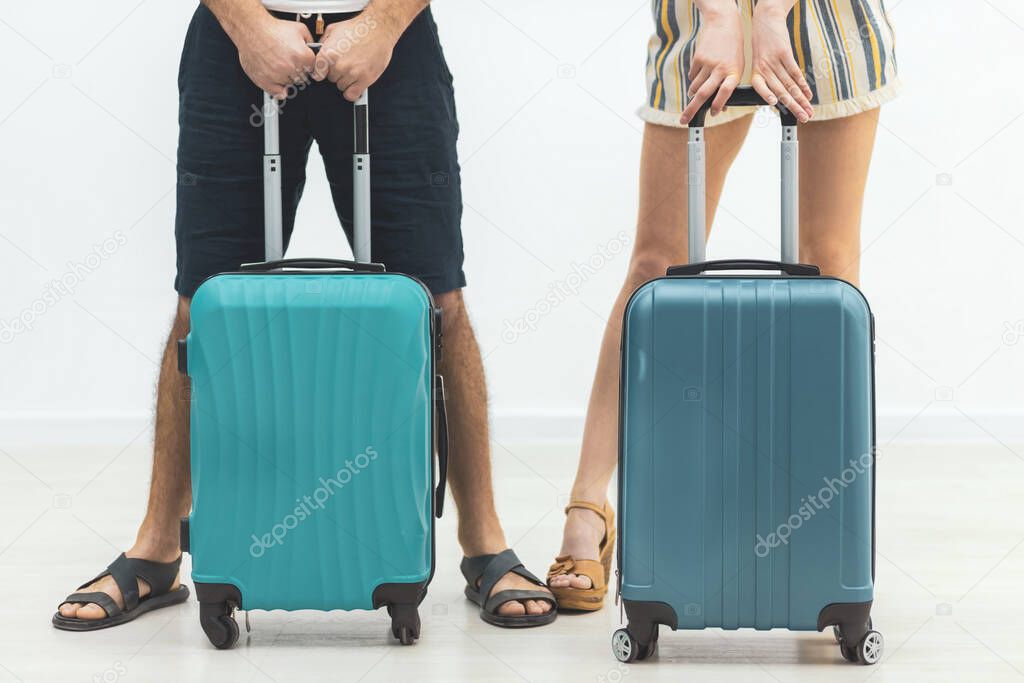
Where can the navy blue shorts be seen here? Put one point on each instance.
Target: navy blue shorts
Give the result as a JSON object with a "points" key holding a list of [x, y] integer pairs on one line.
{"points": [[417, 201]]}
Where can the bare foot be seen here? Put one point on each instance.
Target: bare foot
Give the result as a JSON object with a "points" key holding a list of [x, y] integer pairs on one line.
{"points": [[581, 540]]}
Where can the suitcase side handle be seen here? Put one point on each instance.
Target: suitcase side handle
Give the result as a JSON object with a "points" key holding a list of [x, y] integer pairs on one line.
{"points": [[798, 269], [313, 263], [442, 445]]}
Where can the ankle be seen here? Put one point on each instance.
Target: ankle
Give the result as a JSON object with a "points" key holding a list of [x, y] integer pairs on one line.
{"points": [[481, 538], [161, 545]]}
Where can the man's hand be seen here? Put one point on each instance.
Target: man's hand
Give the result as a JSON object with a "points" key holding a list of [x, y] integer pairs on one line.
{"points": [[274, 54], [356, 52]]}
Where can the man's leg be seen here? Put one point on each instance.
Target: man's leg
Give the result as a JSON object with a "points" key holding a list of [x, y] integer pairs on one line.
{"points": [[469, 476], [218, 226], [170, 496], [660, 242]]}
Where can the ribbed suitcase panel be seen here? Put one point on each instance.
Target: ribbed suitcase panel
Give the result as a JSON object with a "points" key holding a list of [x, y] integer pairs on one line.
{"points": [[741, 397], [311, 422]]}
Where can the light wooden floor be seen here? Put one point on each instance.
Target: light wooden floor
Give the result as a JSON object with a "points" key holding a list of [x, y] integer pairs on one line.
{"points": [[949, 599]]}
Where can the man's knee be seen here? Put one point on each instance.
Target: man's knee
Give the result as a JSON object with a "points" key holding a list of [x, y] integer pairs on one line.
{"points": [[453, 308], [181, 316]]}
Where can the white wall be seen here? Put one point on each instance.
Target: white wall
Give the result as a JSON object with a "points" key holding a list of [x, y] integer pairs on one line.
{"points": [[549, 148]]}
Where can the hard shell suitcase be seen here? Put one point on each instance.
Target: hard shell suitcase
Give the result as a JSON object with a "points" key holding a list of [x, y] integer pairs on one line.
{"points": [[315, 408], [746, 472]]}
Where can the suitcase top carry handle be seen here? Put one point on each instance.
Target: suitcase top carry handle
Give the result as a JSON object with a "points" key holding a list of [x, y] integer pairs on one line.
{"points": [[313, 263], [697, 183], [745, 264], [743, 96]]}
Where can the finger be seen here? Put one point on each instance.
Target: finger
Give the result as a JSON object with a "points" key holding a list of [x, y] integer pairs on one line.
{"points": [[304, 32], [278, 91], [705, 91], [724, 91], [785, 97], [794, 71], [762, 89], [354, 91], [697, 79], [794, 91]]}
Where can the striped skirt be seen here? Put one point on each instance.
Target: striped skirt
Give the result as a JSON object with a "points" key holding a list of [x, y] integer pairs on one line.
{"points": [[844, 47]]}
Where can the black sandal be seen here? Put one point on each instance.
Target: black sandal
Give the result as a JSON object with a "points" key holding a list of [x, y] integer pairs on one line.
{"points": [[126, 571], [483, 571]]}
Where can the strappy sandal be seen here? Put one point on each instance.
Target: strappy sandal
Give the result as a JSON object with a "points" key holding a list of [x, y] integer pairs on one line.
{"points": [[598, 571], [126, 571], [483, 571]]}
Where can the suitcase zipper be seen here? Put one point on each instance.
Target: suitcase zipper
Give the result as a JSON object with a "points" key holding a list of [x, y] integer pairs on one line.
{"points": [[319, 25]]}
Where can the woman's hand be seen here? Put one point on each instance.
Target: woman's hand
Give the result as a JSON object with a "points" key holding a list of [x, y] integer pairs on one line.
{"points": [[718, 60], [776, 75]]}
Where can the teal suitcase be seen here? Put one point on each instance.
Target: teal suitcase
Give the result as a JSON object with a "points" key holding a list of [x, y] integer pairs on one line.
{"points": [[746, 485], [315, 409]]}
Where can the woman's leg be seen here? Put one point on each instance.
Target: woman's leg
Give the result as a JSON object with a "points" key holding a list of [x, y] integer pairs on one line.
{"points": [[834, 159], [660, 242]]}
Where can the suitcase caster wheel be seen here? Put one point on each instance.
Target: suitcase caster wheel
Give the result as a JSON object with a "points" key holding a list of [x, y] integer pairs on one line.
{"points": [[219, 624], [405, 623], [625, 647], [870, 649], [837, 634]]}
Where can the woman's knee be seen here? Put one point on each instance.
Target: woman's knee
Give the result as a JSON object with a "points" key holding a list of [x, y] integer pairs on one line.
{"points": [[648, 264], [834, 259]]}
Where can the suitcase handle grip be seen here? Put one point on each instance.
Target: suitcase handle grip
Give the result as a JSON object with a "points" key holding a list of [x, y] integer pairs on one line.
{"points": [[313, 263], [442, 445], [799, 269], [743, 96]]}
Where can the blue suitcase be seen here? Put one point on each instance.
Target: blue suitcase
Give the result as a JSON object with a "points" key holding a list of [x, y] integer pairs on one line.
{"points": [[746, 485], [314, 401]]}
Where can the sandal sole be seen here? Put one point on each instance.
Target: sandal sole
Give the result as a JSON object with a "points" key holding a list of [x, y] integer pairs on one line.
{"points": [[179, 595]]}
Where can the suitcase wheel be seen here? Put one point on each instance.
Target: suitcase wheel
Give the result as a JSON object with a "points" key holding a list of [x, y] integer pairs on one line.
{"points": [[219, 623], [627, 648], [870, 648], [405, 623]]}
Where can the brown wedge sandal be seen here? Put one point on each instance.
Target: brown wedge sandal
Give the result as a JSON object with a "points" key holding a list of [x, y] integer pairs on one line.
{"points": [[598, 571]]}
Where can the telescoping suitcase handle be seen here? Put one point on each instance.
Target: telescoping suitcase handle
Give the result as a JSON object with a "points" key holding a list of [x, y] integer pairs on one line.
{"points": [[272, 206], [697, 200]]}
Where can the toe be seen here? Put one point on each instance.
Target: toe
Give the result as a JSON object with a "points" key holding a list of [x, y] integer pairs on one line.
{"points": [[581, 581], [91, 611], [560, 581], [533, 607], [512, 608], [68, 610]]}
